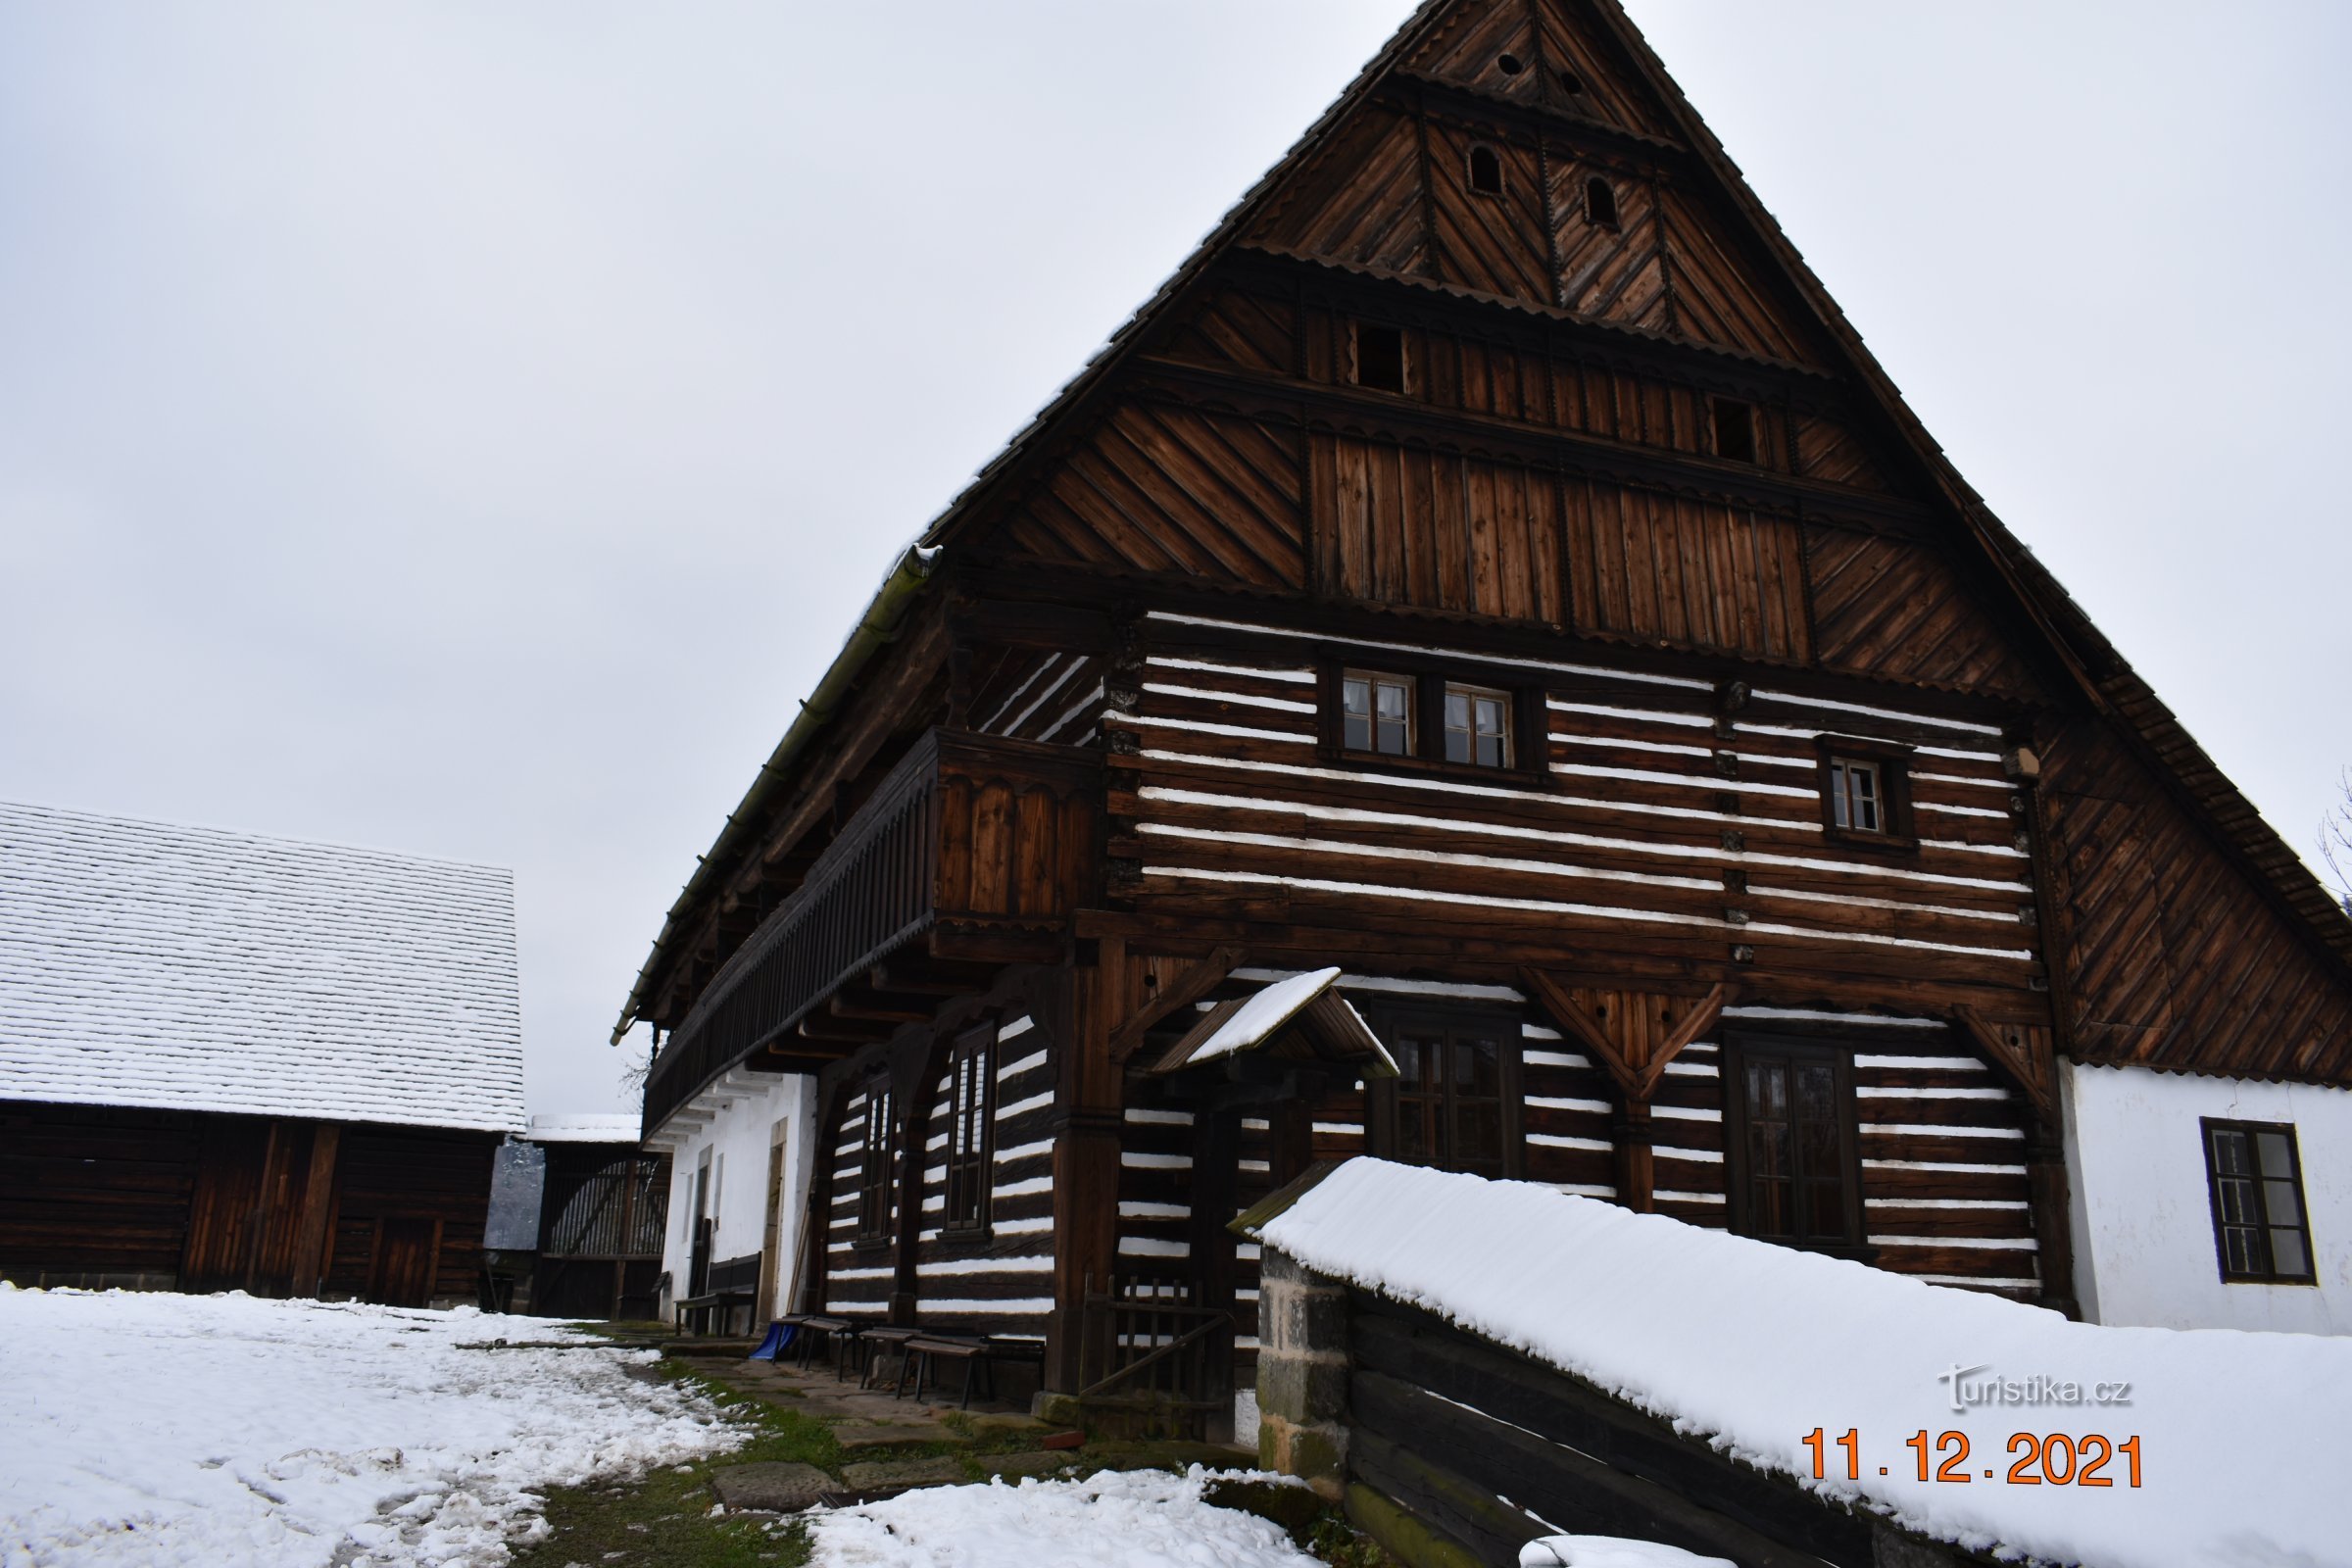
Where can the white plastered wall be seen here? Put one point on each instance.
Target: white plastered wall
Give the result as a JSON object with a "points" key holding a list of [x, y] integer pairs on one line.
{"points": [[734, 1122], [2142, 1217]]}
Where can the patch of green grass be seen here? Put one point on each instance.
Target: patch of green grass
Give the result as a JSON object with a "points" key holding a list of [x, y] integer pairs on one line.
{"points": [[664, 1518], [1333, 1540]]}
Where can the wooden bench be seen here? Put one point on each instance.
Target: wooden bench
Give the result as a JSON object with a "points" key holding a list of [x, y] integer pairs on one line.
{"points": [[977, 1353], [875, 1342], [838, 1333], [729, 1285]]}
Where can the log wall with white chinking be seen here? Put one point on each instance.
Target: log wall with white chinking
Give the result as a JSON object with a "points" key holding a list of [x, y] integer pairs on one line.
{"points": [[856, 1278], [997, 1281], [1658, 845], [1000, 1281], [1669, 842]]}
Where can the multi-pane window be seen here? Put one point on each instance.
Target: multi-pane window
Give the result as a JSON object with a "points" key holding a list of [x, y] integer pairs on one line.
{"points": [[1377, 714], [1857, 795], [1453, 1099], [1478, 726], [1792, 1144], [875, 1183], [970, 1077], [2258, 1221]]}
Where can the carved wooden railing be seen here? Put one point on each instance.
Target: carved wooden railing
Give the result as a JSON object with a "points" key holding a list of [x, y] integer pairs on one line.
{"points": [[968, 831]]}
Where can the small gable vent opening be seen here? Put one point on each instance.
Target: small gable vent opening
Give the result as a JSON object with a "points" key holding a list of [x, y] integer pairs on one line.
{"points": [[1379, 358], [1600, 203], [1570, 82], [1735, 430], [1486, 171], [1510, 64]]}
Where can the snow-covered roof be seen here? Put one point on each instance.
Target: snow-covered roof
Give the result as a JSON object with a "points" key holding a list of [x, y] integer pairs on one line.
{"points": [[1750, 1346], [584, 1129], [189, 969], [1336, 1030]]}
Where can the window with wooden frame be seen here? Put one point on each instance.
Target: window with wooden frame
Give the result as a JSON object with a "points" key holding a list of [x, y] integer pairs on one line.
{"points": [[1455, 1103], [1376, 713], [2259, 1229], [1790, 1144], [971, 1104], [1485, 171], [1428, 719], [1733, 424], [1866, 793], [876, 1179], [1478, 726], [1378, 357]]}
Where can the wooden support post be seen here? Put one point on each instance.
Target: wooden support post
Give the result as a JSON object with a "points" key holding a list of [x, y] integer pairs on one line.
{"points": [[915, 1076], [314, 1228], [2052, 1198], [1088, 1122], [1637, 1179], [1216, 1172]]}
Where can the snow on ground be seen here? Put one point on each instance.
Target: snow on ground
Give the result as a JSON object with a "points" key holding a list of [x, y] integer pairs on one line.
{"points": [[1136, 1519], [2241, 1436], [222, 1431], [1611, 1551]]}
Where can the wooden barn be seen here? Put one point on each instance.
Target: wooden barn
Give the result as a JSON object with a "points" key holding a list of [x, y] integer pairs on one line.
{"points": [[237, 1062], [1486, 669]]}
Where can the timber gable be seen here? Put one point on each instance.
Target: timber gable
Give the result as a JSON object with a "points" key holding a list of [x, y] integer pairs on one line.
{"points": [[1802, 768]]}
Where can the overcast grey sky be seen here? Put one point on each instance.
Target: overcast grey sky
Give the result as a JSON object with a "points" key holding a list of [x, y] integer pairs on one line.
{"points": [[468, 428]]}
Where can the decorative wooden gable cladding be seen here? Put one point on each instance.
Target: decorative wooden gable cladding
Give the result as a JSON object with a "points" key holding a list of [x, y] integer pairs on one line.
{"points": [[1394, 192], [1422, 529], [1895, 609], [2177, 960], [1671, 568], [1531, 53], [1160, 489]]}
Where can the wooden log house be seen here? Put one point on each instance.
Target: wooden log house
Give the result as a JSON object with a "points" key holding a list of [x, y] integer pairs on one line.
{"points": [[236, 1063], [1494, 568]]}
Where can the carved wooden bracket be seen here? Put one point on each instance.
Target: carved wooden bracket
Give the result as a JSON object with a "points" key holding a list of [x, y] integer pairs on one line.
{"points": [[2023, 1052], [1150, 989], [1633, 1034]]}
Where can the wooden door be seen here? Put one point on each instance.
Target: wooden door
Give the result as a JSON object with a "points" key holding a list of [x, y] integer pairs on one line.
{"points": [[771, 1248], [407, 1256], [245, 1215]]}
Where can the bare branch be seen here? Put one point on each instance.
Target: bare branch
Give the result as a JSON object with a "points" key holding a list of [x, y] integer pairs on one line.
{"points": [[2335, 840]]}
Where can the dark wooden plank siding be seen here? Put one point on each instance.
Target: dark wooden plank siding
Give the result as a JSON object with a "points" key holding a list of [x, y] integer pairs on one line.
{"points": [[1668, 568], [436, 1181], [94, 1190], [1403, 525], [1893, 609], [1360, 201], [1161, 489], [2177, 957]]}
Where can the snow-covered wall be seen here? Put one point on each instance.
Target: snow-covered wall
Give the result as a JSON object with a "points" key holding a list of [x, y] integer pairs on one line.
{"points": [[747, 1121], [2143, 1218]]}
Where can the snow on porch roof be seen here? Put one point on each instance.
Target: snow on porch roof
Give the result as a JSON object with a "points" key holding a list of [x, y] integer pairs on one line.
{"points": [[189, 969], [1750, 1346], [1328, 1021]]}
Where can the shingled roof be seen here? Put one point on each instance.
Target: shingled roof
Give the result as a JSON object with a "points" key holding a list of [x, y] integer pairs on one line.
{"points": [[190, 969]]}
